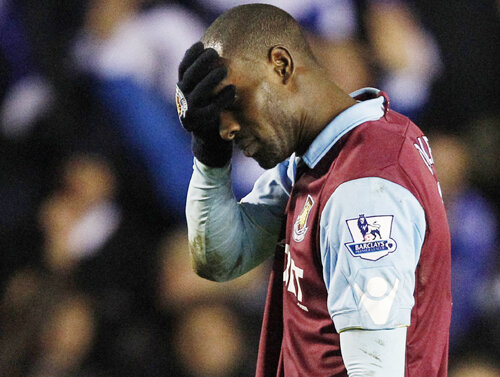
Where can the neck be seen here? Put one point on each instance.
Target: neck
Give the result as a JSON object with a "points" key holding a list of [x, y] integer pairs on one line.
{"points": [[323, 100]]}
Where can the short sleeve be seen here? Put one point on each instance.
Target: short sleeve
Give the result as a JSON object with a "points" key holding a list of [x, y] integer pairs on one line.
{"points": [[371, 235]]}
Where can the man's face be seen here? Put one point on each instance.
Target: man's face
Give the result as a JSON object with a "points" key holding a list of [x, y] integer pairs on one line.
{"points": [[262, 127]]}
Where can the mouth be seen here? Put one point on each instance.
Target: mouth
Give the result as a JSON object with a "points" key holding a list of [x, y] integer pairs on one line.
{"points": [[248, 152], [248, 148]]}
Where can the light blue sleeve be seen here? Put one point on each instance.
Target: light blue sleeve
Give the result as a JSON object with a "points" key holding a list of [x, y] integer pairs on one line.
{"points": [[378, 353], [228, 238], [371, 234]]}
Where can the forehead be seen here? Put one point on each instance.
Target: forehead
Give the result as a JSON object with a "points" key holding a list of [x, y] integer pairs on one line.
{"points": [[216, 45], [236, 72], [244, 72]]}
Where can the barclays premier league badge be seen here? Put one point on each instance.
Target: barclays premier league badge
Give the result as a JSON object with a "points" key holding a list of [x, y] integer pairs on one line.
{"points": [[371, 237], [181, 102]]}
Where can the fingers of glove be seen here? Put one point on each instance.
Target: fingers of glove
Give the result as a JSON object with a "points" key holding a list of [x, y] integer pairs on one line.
{"points": [[223, 100], [189, 57], [201, 120], [203, 92], [199, 69]]}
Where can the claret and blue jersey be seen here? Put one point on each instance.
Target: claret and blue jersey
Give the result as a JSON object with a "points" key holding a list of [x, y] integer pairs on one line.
{"points": [[366, 245]]}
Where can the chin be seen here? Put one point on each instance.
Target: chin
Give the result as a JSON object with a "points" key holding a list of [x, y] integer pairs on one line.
{"points": [[268, 162]]}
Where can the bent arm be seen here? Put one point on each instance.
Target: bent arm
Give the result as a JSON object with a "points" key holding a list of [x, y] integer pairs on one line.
{"points": [[372, 232], [227, 238]]}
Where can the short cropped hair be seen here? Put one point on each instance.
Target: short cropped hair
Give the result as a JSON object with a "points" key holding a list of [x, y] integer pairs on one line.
{"points": [[251, 30]]}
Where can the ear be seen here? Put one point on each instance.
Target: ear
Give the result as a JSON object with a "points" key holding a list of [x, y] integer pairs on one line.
{"points": [[282, 62]]}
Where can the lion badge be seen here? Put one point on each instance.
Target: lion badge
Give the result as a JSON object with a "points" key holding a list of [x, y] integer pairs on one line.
{"points": [[371, 237]]}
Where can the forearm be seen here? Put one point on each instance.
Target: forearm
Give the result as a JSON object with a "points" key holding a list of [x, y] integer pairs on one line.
{"points": [[377, 353], [228, 238]]}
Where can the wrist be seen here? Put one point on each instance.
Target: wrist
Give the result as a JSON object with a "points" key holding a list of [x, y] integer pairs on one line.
{"points": [[214, 153], [212, 173]]}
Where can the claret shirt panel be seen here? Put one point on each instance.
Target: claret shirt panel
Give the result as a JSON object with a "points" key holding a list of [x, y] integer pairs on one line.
{"points": [[366, 246]]}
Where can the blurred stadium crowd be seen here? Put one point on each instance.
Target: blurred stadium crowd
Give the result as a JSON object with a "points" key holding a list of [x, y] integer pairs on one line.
{"points": [[95, 277]]}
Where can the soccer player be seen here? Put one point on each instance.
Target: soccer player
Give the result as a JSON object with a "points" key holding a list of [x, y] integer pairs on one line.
{"points": [[350, 206]]}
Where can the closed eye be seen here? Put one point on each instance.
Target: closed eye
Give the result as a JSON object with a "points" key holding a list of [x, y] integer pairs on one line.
{"points": [[236, 105]]}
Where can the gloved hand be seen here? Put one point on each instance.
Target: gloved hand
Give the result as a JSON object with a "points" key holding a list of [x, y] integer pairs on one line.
{"points": [[199, 108]]}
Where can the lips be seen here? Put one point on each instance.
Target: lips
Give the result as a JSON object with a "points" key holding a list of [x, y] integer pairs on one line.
{"points": [[248, 148]]}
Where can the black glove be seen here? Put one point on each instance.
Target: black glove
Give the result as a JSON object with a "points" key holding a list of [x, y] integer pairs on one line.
{"points": [[199, 108]]}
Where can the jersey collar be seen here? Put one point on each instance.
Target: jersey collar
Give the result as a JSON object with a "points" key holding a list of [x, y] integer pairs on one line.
{"points": [[364, 111]]}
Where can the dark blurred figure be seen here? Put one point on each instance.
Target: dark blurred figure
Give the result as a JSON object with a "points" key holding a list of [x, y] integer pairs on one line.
{"points": [[466, 98], [109, 255], [474, 250], [128, 54], [475, 367], [405, 53], [47, 113], [95, 247], [47, 329], [483, 139], [214, 327], [468, 35], [210, 341], [346, 62]]}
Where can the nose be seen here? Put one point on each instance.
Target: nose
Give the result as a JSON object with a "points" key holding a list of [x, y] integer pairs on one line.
{"points": [[229, 127]]}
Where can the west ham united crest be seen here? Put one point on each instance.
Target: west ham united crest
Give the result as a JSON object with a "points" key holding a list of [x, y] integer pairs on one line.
{"points": [[300, 226], [181, 102], [371, 237]]}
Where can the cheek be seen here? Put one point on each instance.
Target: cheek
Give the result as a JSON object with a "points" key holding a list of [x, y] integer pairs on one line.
{"points": [[265, 100], [266, 119], [277, 122]]}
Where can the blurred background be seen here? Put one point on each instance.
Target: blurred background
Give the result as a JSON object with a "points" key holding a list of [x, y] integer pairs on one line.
{"points": [[95, 277]]}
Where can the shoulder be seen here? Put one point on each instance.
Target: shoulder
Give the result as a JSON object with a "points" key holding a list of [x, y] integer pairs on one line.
{"points": [[392, 148], [375, 145]]}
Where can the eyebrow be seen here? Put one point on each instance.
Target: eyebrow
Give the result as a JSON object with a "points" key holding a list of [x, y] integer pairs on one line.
{"points": [[236, 105]]}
